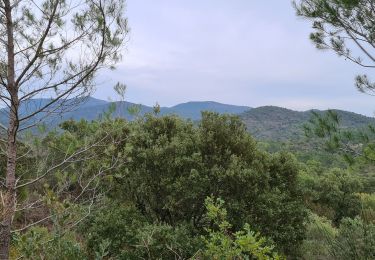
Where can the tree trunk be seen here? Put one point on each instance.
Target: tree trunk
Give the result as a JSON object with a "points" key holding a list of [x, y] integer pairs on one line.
{"points": [[8, 192], [9, 195]]}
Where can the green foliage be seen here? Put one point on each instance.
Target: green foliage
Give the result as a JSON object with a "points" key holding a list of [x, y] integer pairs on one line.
{"points": [[353, 145], [112, 230], [331, 193], [122, 232], [221, 243], [367, 207], [319, 235], [166, 167], [173, 166], [162, 241], [39, 243], [281, 125], [355, 240], [352, 239], [337, 190], [70, 172]]}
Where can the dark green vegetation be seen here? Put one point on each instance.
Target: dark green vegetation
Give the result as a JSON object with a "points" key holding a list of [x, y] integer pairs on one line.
{"points": [[138, 189], [281, 124], [184, 190], [154, 198], [342, 226], [281, 129]]}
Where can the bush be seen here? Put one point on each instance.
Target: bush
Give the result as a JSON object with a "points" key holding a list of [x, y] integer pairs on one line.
{"points": [[112, 230], [121, 232], [355, 240], [319, 236], [221, 243], [174, 165], [39, 243]]}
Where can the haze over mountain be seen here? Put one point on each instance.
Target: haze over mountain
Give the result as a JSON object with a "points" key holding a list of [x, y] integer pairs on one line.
{"points": [[265, 123]]}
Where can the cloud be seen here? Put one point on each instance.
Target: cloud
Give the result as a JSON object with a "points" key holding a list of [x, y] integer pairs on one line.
{"points": [[241, 52]]}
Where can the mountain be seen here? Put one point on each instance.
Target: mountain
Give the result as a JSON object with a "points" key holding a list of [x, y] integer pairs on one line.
{"points": [[265, 123], [92, 108], [193, 110], [281, 124]]}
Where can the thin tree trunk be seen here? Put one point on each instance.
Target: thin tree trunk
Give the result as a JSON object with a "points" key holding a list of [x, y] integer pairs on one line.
{"points": [[9, 193], [9, 197]]}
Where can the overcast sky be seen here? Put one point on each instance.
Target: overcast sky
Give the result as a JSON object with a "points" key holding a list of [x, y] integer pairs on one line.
{"points": [[244, 52]]}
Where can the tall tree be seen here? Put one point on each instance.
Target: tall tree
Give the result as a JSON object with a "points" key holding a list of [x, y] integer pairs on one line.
{"points": [[53, 49], [346, 27]]}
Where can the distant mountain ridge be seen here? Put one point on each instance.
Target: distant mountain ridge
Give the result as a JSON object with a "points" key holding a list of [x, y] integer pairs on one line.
{"points": [[91, 108], [266, 123], [193, 109], [282, 124]]}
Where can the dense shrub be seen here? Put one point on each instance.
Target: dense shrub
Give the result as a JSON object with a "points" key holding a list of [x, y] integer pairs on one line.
{"points": [[174, 165], [40, 243], [121, 232]]}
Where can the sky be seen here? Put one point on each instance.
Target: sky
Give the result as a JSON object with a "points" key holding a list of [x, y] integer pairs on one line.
{"points": [[241, 52]]}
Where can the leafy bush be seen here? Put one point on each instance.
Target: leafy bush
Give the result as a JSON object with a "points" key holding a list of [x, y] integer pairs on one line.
{"points": [[162, 241], [221, 243], [173, 166], [39, 243], [121, 232], [112, 230], [355, 240], [319, 235], [332, 193]]}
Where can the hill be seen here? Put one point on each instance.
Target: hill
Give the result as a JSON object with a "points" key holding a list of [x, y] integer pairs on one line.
{"points": [[193, 110], [91, 109], [281, 124], [268, 123]]}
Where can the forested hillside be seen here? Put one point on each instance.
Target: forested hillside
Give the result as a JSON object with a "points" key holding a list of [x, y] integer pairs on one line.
{"points": [[268, 123], [281, 124]]}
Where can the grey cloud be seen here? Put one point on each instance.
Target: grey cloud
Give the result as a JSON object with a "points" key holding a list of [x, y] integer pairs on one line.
{"points": [[244, 52]]}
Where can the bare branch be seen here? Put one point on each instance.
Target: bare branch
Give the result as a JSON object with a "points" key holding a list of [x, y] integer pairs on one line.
{"points": [[68, 159], [40, 46]]}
